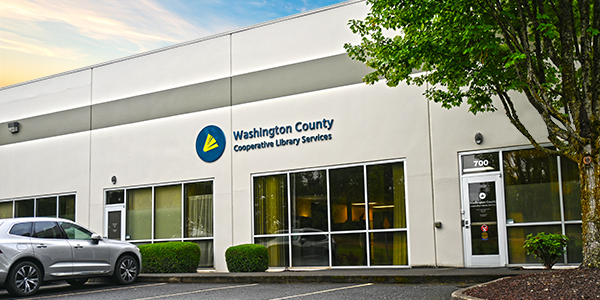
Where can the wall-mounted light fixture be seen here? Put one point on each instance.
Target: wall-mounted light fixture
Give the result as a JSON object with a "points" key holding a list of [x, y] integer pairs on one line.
{"points": [[13, 127], [113, 180], [478, 138]]}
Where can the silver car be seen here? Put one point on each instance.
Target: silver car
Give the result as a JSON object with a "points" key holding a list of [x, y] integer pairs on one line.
{"points": [[34, 250]]}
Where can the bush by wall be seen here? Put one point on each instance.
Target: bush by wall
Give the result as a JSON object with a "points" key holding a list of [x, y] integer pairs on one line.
{"points": [[170, 257], [247, 258], [548, 248]]}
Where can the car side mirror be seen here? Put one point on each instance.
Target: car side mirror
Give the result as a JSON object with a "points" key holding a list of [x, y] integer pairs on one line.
{"points": [[96, 237]]}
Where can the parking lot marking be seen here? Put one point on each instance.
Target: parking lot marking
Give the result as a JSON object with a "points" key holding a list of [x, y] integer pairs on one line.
{"points": [[324, 291], [199, 291], [97, 291]]}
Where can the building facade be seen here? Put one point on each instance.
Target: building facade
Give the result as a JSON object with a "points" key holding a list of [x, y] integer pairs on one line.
{"points": [[267, 135]]}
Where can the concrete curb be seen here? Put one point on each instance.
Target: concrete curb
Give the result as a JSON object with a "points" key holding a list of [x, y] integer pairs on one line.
{"points": [[460, 294], [317, 278]]}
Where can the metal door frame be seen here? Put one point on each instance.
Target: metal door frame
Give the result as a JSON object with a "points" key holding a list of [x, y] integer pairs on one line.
{"points": [[484, 260]]}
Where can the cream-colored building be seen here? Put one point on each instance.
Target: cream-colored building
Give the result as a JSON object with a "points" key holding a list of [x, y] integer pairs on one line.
{"points": [[267, 135]]}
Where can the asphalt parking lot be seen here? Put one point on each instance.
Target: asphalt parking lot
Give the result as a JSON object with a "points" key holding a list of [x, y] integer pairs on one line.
{"points": [[142, 291]]}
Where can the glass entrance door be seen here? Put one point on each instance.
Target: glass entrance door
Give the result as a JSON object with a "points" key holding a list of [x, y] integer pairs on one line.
{"points": [[115, 222], [483, 221]]}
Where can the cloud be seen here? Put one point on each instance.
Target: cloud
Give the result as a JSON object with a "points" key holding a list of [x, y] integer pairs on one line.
{"points": [[142, 24]]}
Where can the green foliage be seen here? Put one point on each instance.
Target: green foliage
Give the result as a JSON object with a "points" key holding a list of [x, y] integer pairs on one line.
{"points": [[247, 258], [170, 257], [548, 248], [479, 53]]}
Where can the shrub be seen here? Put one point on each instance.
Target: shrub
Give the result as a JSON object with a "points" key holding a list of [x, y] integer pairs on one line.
{"points": [[548, 248], [170, 257], [247, 258]]}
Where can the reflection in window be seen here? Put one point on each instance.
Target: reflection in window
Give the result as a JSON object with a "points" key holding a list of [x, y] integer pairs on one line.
{"points": [[270, 204], [571, 189], [516, 239], [6, 210], [323, 202], [347, 196], [198, 203], [350, 249], [24, 208], [167, 222], [66, 207], [309, 200], [389, 248], [46, 207], [386, 196], [139, 214], [531, 186], [277, 248], [533, 195], [75, 232]]}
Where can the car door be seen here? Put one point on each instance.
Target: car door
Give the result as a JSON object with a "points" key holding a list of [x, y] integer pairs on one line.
{"points": [[52, 249], [90, 257]]}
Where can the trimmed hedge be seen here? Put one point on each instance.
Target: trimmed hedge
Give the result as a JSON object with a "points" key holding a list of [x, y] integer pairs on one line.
{"points": [[170, 257], [247, 258]]}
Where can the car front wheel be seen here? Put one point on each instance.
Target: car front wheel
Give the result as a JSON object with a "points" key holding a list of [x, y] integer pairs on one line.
{"points": [[24, 279], [126, 270]]}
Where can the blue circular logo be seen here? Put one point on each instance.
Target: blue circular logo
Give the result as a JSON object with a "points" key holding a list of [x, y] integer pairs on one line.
{"points": [[210, 143]]}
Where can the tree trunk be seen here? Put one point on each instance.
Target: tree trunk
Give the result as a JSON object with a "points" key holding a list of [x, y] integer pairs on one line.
{"points": [[589, 175]]}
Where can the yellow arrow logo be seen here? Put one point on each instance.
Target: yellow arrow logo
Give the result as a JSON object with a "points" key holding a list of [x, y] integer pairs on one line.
{"points": [[210, 144]]}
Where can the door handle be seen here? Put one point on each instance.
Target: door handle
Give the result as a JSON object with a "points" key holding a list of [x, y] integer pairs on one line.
{"points": [[78, 247], [42, 246], [465, 223]]}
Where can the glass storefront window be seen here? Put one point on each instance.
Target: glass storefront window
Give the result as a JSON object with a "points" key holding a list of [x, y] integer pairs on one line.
{"points": [[6, 210], [386, 196], [167, 212], [115, 197], [24, 208], [270, 205], [328, 216], [531, 186], [66, 207], [206, 253], [388, 248], [46, 207], [278, 249], [309, 200], [347, 197], [571, 189], [310, 250], [516, 239], [574, 245], [139, 214], [176, 212], [349, 249], [198, 203]]}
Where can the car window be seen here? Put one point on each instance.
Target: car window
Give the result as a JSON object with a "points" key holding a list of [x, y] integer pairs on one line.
{"points": [[22, 229], [46, 230], [76, 232]]}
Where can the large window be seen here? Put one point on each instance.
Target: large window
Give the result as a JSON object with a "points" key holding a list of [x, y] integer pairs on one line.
{"points": [[542, 195], [338, 216], [174, 212], [62, 206]]}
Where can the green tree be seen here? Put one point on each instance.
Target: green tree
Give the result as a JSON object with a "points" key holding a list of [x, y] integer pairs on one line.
{"points": [[475, 50]]}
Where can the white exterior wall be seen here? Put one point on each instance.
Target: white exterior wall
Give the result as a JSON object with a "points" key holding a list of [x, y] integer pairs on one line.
{"points": [[371, 123], [452, 132]]}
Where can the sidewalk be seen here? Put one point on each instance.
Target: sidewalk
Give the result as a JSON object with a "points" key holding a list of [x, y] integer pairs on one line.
{"points": [[462, 276]]}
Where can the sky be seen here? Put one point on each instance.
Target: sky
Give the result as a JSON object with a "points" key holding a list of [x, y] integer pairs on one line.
{"points": [[39, 38]]}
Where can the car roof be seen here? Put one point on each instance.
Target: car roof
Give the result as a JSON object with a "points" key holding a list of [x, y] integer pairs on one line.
{"points": [[32, 219]]}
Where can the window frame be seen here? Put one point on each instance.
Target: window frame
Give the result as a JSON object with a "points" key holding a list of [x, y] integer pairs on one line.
{"points": [[367, 231], [40, 197]]}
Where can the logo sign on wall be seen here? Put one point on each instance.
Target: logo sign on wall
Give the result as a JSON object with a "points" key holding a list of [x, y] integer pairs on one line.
{"points": [[210, 143]]}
